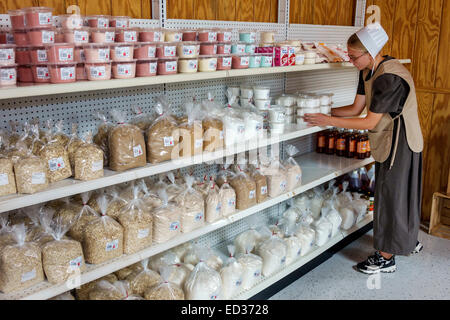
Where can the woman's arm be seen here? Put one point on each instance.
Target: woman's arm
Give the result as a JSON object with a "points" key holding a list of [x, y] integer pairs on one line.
{"points": [[367, 123], [352, 110]]}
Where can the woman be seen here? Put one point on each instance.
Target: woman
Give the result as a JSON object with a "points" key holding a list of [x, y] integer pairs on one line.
{"points": [[386, 88]]}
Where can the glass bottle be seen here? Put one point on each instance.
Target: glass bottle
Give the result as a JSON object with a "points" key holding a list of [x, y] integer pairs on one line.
{"points": [[368, 153], [321, 141], [340, 143], [361, 145], [330, 141], [350, 142]]}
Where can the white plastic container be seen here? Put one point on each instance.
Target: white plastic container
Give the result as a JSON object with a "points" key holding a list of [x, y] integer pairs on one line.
{"points": [[268, 36], [188, 49], [301, 122], [311, 110], [289, 110], [277, 114], [310, 55], [286, 100], [300, 112], [326, 99], [246, 92], [8, 75], [262, 104], [309, 61], [235, 91], [261, 93], [173, 35], [325, 109], [7, 54], [289, 119]]}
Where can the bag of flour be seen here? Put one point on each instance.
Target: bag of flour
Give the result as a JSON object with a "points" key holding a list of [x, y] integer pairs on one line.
{"points": [[231, 274]]}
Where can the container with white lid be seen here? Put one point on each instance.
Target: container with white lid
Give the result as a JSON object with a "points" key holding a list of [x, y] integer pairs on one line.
{"points": [[261, 92], [7, 54], [262, 104], [277, 114], [98, 21], [187, 65], [127, 34], [325, 109], [36, 17], [301, 122], [310, 110], [235, 91], [71, 21], [102, 35], [207, 63], [286, 100], [98, 70], [97, 52], [246, 91], [119, 21], [188, 49], [122, 51], [326, 99], [172, 35]]}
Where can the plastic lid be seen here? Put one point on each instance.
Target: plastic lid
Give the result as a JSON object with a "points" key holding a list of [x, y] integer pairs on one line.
{"points": [[42, 28], [147, 59], [207, 30], [121, 44], [75, 29], [103, 62], [120, 17], [7, 46], [58, 44], [148, 43], [188, 30], [106, 29], [93, 45], [17, 12], [239, 42], [207, 56], [121, 30], [5, 65], [62, 63], [188, 43], [124, 62], [171, 58], [223, 55], [96, 16], [241, 54], [224, 43]]}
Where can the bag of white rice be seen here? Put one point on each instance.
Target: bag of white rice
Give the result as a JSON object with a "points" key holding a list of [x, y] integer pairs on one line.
{"points": [[316, 202], [193, 214], [140, 281], [231, 274], [162, 259], [193, 256], [166, 219], [293, 170], [181, 250], [165, 289], [323, 229], [82, 293], [273, 253], [294, 247]]}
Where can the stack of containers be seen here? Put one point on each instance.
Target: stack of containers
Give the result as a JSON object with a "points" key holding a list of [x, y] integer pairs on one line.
{"points": [[326, 101], [207, 61], [224, 59], [262, 101], [166, 51], [122, 52], [145, 52], [246, 94], [299, 53], [307, 103], [288, 102]]}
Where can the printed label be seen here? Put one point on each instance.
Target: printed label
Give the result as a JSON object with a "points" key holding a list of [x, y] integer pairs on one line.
{"points": [[219, 207], [231, 202], [252, 36], [137, 151], [10, 38], [298, 177], [45, 18], [283, 185], [257, 273], [110, 36], [227, 49], [102, 22], [168, 141], [97, 165], [113, 245], [199, 216], [143, 233], [192, 64], [124, 69], [238, 282], [268, 60], [221, 135], [76, 23], [258, 60], [252, 194], [188, 50], [7, 54], [65, 54], [8, 74], [283, 260], [299, 252], [169, 51], [130, 36], [281, 117], [29, 275], [38, 178], [226, 62], [81, 36], [212, 64], [42, 73], [227, 36], [153, 67], [212, 36], [178, 37], [123, 52], [4, 179], [103, 54], [245, 61], [56, 164], [48, 36], [174, 226], [329, 235], [263, 189], [42, 55], [76, 263], [198, 143], [151, 52], [171, 66], [157, 36], [121, 24], [240, 48], [67, 73], [251, 48]]}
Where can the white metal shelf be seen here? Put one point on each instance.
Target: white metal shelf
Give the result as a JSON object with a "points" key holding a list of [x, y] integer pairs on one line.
{"points": [[317, 169], [70, 186]]}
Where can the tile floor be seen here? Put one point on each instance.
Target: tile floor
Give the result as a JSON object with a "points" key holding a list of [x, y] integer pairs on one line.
{"points": [[423, 276]]}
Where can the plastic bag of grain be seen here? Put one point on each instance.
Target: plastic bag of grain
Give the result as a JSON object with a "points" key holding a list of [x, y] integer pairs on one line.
{"points": [[64, 296], [126, 144], [57, 160], [20, 263], [82, 293], [88, 160], [227, 197], [224, 174], [276, 178], [181, 250], [204, 283], [252, 267], [73, 145], [245, 188], [150, 197], [61, 258], [193, 256], [173, 189], [140, 281], [293, 246], [105, 290], [250, 237], [166, 219], [193, 214], [162, 259], [101, 137], [179, 272], [6, 236], [231, 274], [306, 234], [293, 170], [213, 203], [82, 219], [137, 223], [123, 273], [165, 289], [58, 132], [162, 135], [273, 253], [261, 184], [140, 119], [191, 131], [7, 179], [213, 138], [31, 174], [323, 228], [316, 202], [43, 228]]}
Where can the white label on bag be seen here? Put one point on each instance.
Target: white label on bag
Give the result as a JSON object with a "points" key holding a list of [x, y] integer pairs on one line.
{"points": [[168, 141], [298, 177], [199, 216], [48, 36], [103, 54], [81, 36], [56, 164], [198, 143], [124, 69], [263, 189], [113, 245], [219, 207], [245, 61], [137, 151], [97, 165], [45, 18], [143, 233], [227, 36], [8, 74], [130, 36], [213, 64], [42, 55], [67, 73], [38, 178], [153, 67], [65, 54], [192, 65], [169, 51], [123, 52], [121, 23], [178, 36], [7, 54], [299, 252], [151, 52], [42, 73], [212, 36], [231, 202], [4, 179], [252, 194], [102, 22], [221, 135], [188, 50], [281, 117], [227, 49], [28, 275], [76, 263], [175, 225], [110, 36], [241, 129], [157, 36], [226, 62], [257, 274], [171, 66]]}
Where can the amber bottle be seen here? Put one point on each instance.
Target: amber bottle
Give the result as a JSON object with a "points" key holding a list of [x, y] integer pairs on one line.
{"points": [[340, 143], [350, 144], [361, 143], [368, 153], [321, 141], [330, 141]]}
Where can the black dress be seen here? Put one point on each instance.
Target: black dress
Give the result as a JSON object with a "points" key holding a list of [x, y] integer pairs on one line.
{"points": [[398, 191]]}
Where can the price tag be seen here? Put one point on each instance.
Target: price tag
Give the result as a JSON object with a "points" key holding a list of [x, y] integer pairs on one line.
{"points": [[151, 52], [56, 164], [76, 263], [175, 225], [188, 50], [124, 69], [65, 54], [81, 36], [123, 52], [157, 36], [283, 260], [121, 24], [113, 245], [257, 274], [231, 202], [252, 194], [268, 60], [168, 142], [169, 51], [48, 36], [227, 36], [102, 23], [38, 178], [103, 54], [8, 74], [97, 165], [227, 48], [153, 67], [137, 151], [263, 189], [178, 36], [258, 60], [45, 18], [213, 64], [42, 55], [171, 66], [42, 73], [28, 275], [143, 233], [199, 216], [67, 73], [298, 177], [198, 143], [192, 64], [245, 61], [212, 36], [7, 55], [240, 48], [226, 62], [4, 179], [283, 185], [219, 207], [110, 36], [130, 36]]}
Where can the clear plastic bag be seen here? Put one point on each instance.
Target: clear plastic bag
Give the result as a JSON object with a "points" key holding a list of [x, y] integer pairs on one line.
{"points": [[105, 290], [323, 229], [73, 145], [126, 144], [165, 290], [231, 274], [252, 267], [166, 219], [273, 253], [193, 214], [191, 131], [261, 184], [140, 281], [250, 237], [140, 120], [213, 203], [173, 189], [82, 219], [293, 170], [245, 188], [31, 174], [213, 138], [101, 137], [228, 199], [276, 178], [88, 160], [307, 236], [293, 246], [316, 202], [82, 293], [7, 180]]}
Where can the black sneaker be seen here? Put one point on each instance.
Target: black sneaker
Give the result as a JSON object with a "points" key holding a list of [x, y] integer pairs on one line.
{"points": [[377, 263], [417, 249]]}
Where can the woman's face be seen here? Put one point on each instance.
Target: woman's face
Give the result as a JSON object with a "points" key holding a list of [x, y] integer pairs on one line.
{"points": [[359, 58]]}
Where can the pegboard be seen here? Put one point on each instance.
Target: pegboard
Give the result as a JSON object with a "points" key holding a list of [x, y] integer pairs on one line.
{"points": [[332, 35]]}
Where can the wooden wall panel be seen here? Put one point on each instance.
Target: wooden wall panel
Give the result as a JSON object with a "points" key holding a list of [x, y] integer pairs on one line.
{"points": [[261, 11], [180, 9], [205, 9], [346, 13], [131, 8], [226, 10], [320, 11], [273, 11], [6, 5], [443, 64], [90, 7], [387, 11], [146, 9], [58, 5], [244, 10]]}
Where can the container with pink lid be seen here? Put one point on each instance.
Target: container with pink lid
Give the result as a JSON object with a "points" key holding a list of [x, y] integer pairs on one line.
{"points": [[240, 61], [40, 72], [102, 35], [119, 21], [8, 75], [167, 66], [188, 49], [40, 36], [98, 21], [187, 65], [124, 69], [151, 35], [81, 72], [62, 72], [127, 34], [207, 35], [223, 47], [17, 18], [172, 35], [7, 54], [145, 50], [207, 63], [166, 50], [146, 67], [98, 70], [122, 51], [77, 36], [79, 55], [37, 54], [208, 48], [189, 35], [24, 73], [223, 35], [60, 52], [23, 55], [224, 62], [96, 52], [6, 36], [71, 21], [37, 17]]}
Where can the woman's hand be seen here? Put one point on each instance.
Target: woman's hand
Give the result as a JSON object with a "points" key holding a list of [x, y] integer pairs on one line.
{"points": [[317, 119]]}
